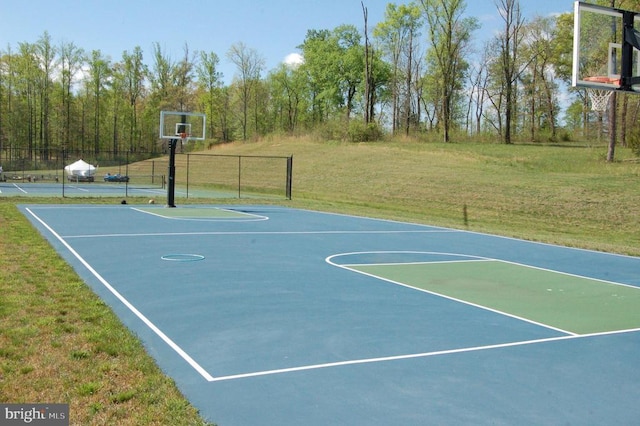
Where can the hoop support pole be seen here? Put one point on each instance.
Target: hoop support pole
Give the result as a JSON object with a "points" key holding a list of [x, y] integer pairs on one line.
{"points": [[171, 184]]}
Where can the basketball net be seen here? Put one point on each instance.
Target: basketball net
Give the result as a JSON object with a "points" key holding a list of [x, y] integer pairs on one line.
{"points": [[599, 99], [184, 137]]}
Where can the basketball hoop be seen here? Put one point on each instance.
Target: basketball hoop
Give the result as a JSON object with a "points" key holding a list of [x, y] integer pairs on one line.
{"points": [[186, 126], [600, 97]]}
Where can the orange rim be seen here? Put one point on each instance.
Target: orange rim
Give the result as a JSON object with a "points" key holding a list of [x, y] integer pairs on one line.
{"points": [[603, 79]]}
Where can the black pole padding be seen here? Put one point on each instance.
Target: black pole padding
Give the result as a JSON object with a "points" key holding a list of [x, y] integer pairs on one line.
{"points": [[289, 176], [171, 187], [631, 39]]}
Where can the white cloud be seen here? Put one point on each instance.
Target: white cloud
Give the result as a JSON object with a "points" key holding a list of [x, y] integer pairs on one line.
{"points": [[293, 59]]}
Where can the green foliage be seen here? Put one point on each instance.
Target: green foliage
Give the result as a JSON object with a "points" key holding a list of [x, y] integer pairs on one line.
{"points": [[79, 354], [123, 396], [334, 63], [89, 388], [364, 132], [333, 130], [633, 140], [449, 38], [423, 54]]}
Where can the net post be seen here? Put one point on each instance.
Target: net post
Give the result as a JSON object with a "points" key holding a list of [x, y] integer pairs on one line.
{"points": [[188, 157], [171, 187], [627, 49], [289, 176], [126, 173], [171, 184]]}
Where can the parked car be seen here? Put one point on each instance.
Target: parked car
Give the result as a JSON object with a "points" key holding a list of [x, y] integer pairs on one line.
{"points": [[116, 178]]}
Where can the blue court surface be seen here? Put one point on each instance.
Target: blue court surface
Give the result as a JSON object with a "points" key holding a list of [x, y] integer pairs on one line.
{"points": [[102, 189], [80, 189], [267, 315]]}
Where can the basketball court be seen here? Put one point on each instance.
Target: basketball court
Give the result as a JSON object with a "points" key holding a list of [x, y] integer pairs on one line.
{"points": [[272, 315], [277, 316]]}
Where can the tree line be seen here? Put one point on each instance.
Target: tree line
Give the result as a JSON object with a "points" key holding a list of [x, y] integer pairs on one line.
{"points": [[416, 73]]}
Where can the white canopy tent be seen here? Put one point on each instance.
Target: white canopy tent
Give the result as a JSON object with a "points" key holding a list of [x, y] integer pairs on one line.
{"points": [[80, 169]]}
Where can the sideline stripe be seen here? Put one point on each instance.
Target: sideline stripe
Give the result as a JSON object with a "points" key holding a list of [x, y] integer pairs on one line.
{"points": [[412, 356], [179, 234], [132, 308], [19, 188], [435, 262]]}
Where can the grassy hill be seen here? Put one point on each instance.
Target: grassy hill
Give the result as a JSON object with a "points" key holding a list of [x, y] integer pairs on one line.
{"points": [[563, 194]]}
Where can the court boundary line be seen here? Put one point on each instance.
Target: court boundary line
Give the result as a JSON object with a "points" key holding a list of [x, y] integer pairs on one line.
{"points": [[208, 233], [19, 188], [416, 355], [184, 355]]}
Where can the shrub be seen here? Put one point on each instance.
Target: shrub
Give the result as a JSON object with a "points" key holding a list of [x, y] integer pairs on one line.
{"points": [[364, 132], [633, 140]]}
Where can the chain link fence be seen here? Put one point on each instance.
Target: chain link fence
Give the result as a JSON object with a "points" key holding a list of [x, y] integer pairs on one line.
{"points": [[197, 175]]}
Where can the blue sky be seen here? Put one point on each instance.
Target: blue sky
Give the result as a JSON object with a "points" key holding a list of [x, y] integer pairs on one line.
{"points": [[272, 27]]}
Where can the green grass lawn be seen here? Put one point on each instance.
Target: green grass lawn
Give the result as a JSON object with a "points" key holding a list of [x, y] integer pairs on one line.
{"points": [[60, 343], [567, 195]]}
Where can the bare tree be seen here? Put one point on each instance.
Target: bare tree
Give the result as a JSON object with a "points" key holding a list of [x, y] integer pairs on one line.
{"points": [[250, 65], [183, 80], [46, 56], [539, 76], [510, 41], [450, 37], [397, 35], [368, 69], [99, 72], [210, 80], [478, 79], [134, 75], [162, 77], [71, 60]]}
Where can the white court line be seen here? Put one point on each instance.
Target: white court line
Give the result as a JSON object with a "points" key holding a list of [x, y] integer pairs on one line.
{"points": [[78, 188], [20, 189], [132, 308], [413, 356], [435, 262], [205, 233], [524, 265], [251, 218]]}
